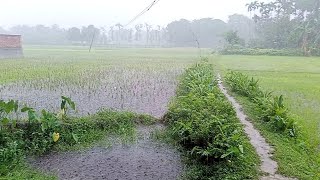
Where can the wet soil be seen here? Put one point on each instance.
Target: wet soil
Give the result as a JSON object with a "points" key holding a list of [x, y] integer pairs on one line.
{"points": [[144, 159], [263, 149]]}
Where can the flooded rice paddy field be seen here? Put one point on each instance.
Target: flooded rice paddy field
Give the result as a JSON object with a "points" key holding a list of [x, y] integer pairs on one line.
{"points": [[138, 80]]}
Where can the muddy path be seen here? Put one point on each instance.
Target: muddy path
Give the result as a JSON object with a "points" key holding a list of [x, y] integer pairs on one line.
{"points": [[144, 159], [263, 149]]}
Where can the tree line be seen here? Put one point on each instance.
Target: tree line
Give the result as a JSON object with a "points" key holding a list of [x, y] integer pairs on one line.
{"points": [[288, 24], [281, 24], [206, 32]]}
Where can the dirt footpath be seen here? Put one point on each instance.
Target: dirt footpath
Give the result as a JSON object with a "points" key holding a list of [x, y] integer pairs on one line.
{"points": [[263, 149], [144, 159]]}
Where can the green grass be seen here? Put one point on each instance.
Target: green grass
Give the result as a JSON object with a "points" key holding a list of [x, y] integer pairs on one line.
{"points": [[203, 125], [245, 167], [295, 158], [24, 172], [298, 79]]}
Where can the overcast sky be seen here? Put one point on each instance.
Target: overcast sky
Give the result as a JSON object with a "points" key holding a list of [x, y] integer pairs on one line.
{"points": [[67, 13]]}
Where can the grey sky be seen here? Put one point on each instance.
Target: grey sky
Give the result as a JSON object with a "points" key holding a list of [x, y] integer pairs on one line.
{"points": [[108, 12]]}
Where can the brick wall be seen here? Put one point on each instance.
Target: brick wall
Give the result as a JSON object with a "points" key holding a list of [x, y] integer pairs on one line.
{"points": [[10, 41], [9, 53]]}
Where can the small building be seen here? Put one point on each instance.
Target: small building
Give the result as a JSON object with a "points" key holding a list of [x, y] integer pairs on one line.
{"points": [[10, 46]]}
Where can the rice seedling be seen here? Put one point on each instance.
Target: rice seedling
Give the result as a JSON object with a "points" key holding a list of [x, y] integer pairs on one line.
{"points": [[139, 80]]}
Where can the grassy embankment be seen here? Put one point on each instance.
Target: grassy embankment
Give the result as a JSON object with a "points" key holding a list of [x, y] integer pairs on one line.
{"points": [[298, 79]]}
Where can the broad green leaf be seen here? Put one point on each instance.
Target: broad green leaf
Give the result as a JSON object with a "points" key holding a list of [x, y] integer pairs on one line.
{"points": [[241, 149], [5, 121]]}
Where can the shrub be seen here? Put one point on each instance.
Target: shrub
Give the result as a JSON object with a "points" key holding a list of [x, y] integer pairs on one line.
{"points": [[202, 120], [10, 150], [271, 108], [237, 50]]}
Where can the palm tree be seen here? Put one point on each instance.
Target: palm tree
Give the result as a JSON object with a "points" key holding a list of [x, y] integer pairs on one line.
{"points": [[148, 28], [111, 33], [119, 32]]}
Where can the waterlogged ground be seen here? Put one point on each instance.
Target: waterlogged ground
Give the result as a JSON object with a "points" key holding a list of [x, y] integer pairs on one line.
{"points": [[120, 88], [144, 159], [139, 80]]}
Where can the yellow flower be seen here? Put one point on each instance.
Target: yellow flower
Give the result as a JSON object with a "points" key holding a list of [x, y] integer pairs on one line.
{"points": [[55, 136]]}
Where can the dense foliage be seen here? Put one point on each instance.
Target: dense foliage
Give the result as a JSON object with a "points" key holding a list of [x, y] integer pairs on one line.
{"points": [[202, 120], [47, 131], [238, 50], [288, 24], [207, 32], [271, 108]]}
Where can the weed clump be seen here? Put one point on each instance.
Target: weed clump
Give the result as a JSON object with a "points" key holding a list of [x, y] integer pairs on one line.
{"points": [[272, 109]]}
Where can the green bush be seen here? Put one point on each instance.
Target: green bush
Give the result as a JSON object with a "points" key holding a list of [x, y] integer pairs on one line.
{"points": [[10, 150], [244, 85], [202, 120], [236, 50], [271, 108]]}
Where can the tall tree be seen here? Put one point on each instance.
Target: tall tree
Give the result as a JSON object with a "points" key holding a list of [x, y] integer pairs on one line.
{"points": [[232, 38], [89, 33], [111, 33], [74, 34], [179, 33], [243, 25], [119, 31], [148, 29], [138, 28]]}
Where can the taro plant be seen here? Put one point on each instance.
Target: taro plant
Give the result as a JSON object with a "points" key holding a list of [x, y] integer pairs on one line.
{"points": [[66, 104], [7, 108], [32, 115], [277, 115], [244, 85]]}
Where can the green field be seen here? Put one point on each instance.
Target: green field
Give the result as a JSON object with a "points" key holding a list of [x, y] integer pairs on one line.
{"points": [[127, 79], [54, 68], [56, 61], [298, 79]]}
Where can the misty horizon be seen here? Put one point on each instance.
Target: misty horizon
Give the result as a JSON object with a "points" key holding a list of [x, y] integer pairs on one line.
{"points": [[131, 26], [106, 14]]}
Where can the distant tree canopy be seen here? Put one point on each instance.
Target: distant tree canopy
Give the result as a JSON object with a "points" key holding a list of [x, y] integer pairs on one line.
{"points": [[204, 32], [288, 23], [281, 24], [232, 38], [208, 32]]}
